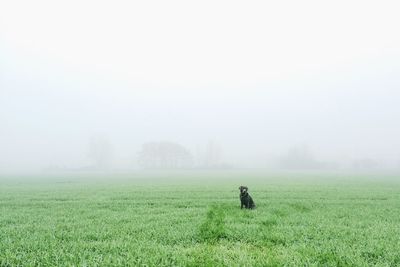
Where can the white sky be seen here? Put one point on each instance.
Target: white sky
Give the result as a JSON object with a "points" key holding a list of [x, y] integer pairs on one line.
{"points": [[255, 76]]}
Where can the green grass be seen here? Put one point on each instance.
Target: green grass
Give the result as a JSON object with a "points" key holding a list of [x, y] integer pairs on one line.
{"points": [[194, 219]]}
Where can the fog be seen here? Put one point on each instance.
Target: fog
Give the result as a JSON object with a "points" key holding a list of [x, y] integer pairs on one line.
{"points": [[127, 85]]}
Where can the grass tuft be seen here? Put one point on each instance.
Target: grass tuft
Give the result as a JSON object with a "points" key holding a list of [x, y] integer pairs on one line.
{"points": [[213, 228]]}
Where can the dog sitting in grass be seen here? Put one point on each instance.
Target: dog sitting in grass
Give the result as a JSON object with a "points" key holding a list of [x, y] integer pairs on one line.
{"points": [[245, 199]]}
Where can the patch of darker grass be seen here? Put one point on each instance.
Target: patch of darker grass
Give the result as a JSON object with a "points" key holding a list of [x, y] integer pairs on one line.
{"points": [[213, 228]]}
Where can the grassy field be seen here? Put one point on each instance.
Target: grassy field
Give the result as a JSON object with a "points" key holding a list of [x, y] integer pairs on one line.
{"points": [[194, 219]]}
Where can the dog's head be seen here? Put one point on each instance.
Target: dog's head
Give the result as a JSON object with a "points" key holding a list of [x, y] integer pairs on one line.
{"points": [[243, 189]]}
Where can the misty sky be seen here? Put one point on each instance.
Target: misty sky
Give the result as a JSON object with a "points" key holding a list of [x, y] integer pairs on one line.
{"points": [[256, 77]]}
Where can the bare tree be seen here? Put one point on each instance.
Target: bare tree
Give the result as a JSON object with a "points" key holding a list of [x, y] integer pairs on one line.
{"points": [[164, 155]]}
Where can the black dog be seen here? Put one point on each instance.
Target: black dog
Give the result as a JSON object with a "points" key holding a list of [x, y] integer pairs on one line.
{"points": [[245, 199]]}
